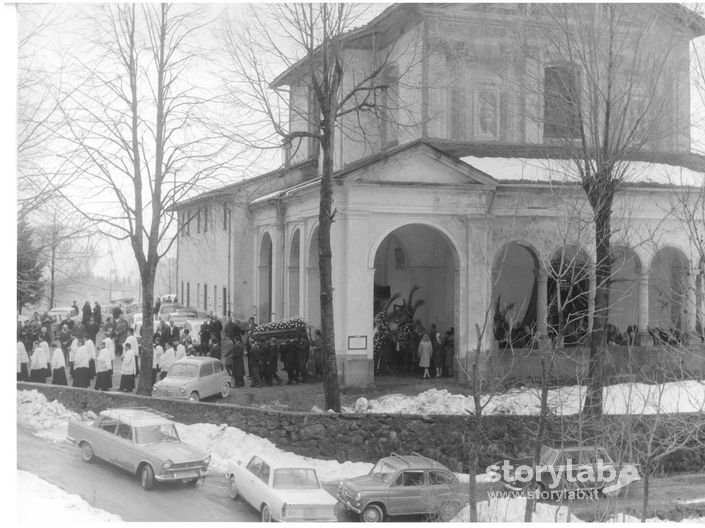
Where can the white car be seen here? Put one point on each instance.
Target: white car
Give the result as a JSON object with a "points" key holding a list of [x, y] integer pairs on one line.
{"points": [[282, 492]]}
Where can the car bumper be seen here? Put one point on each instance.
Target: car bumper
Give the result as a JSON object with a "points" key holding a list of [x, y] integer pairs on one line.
{"points": [[348, 505], [186, 474], [172, 395]]}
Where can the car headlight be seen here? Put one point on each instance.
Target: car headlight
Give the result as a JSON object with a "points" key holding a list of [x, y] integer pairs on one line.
{"points": [[167, 464], [358, 497], [182, 390], [207, 460]]}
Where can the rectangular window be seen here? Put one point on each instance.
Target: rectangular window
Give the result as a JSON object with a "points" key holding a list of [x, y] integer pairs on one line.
{"points": [[561, 115], [188, 294], [205, 297], [205, 218], [226, 214], [182, 291], [198, 221], [215, 299], [225, 302]]}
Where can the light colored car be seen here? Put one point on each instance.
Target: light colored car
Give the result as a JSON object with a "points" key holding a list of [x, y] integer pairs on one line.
{"points": [[142, 441], [194, 378], [180, 317], [60, 313], [281, 492]]}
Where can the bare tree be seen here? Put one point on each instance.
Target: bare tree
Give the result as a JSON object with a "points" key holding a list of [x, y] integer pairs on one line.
{"points": [[311, 41], [135, 128], [604, 102]]}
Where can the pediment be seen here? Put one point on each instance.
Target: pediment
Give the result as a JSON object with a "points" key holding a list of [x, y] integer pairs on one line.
{"points": [[419, 164]]}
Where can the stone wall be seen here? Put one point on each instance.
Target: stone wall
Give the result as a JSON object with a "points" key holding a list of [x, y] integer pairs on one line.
{"points": [[367, 437]]}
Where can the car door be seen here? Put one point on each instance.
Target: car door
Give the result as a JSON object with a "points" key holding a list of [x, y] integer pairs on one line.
{"points": [[125, 452], [219, 376], [105, 445], [249, 475], [440, 488], [407, 492], [261, 488], [205, 380]]}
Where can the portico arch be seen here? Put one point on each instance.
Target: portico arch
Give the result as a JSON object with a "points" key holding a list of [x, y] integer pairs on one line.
{"points": [[408, 256], [313, 281], [569, 294], [624, 289], [668, 290]]}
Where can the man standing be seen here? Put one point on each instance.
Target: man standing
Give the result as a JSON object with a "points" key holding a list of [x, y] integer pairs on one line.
{"points": [[97, 313], [226, 355], [121, 327], [74, 308], [238, 363], [255, 357], [216, 327], [87, 313], [205, 335]]}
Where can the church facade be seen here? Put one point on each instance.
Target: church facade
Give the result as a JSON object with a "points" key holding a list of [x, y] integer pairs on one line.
{"points": [[464, 193]]}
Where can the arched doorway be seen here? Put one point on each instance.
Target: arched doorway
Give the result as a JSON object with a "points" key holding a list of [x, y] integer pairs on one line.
{"points": [[264, 310], [294, 274], [568, 295], [415, 285], [624, 292], [514, 295], [668, 296], [313, 313]]}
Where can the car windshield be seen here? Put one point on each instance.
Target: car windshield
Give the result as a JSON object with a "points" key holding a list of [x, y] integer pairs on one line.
{"points": [[295, 479], [181, 370], [152, 434], [166, 310], [383, 471]]}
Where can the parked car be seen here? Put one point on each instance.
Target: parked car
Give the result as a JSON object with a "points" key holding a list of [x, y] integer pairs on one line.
{"points": [[403, 485], [61, 313], [165, 309], [180, 317], [141, 441], [281, 492], [557, 461], [130, 310], [194, 378]]}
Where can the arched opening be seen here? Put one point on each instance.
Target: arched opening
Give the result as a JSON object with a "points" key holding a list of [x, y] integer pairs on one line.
{"points": [[514, 296], [314, 283], [264, 310], [294, 274], [415, 285], [624, 295], [568, 295], [668, 294]]}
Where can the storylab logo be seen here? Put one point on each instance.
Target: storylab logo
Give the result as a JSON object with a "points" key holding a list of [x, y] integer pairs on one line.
{"points": [[560, 479]]}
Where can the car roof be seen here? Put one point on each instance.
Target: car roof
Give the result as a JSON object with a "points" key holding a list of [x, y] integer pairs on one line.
{"points": [[61, 309], [137, 416], [278, 464], [196, 360], [414, 461]]}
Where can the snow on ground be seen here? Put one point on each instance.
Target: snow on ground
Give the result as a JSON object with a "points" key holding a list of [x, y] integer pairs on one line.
{"points": [[512, 510], [625, 398], [41, 502]]}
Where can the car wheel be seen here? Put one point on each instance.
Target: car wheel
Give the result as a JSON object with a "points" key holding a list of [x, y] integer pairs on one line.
{"points": [[448, 510], [192, 482], [194, 397], [232, 488], [87, 454], [225, 390], [147, 477], [266, 514], [372, 513]]}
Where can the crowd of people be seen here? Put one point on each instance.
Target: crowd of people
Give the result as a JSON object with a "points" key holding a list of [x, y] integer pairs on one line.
{"points": [[86, 351], [426, 353]]}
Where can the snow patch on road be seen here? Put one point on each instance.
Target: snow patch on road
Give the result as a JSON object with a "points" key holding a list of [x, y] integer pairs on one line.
{"points": [[38, 501]]}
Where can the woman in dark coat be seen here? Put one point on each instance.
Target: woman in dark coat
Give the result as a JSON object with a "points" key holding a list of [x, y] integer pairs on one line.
{"points": [[238, 359]]}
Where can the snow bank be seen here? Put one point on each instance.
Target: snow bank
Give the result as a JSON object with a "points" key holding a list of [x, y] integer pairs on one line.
{"points": [[41, 502], [512, 510], [625, 398], [47, 419]]}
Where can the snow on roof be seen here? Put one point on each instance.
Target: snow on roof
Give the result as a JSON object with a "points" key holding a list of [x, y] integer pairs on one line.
{"points": [[561, 171], [285, 192]]}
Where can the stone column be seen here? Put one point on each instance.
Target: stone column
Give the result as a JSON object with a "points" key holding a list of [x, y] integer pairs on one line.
{"points": [[643, 338], [690, 310], [541, 302]]}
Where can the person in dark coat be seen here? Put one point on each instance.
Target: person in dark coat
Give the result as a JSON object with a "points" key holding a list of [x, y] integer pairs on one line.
{"points": [[216, 327], [205, 335], [65, 339], [238, 372], [87, 312], [255, 362], [230, 329], [226, 355], [271, 362], [291, 361], [215, 348], [97, 314]]}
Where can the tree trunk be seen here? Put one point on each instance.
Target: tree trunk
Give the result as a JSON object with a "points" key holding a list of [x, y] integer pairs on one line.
{"points": [[538, 441], [472, 473], [52, 269], [598, 341], [645, 502], [144, 387], [325, 219]]}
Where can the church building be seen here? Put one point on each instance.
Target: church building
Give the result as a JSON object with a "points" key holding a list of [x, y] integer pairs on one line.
{"points": [[463, 183]]}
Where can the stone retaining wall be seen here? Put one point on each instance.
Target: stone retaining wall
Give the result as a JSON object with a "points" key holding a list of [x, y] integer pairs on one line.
{"points": [[367, 437]]}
